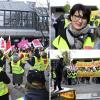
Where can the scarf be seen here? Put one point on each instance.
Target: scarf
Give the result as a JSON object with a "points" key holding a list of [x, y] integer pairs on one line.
{"points": [[77, 33]]}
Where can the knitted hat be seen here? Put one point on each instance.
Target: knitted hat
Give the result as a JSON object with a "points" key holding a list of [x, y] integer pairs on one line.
{"points": [[35, 76]]}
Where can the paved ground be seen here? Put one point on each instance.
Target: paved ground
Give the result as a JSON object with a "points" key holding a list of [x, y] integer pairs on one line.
{"points": [[17, 92], [85, 91]]}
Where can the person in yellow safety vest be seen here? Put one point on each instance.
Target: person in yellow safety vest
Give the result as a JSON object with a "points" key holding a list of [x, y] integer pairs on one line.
{"points": [[69, 76], [74, 77], [74, 36], [88, 44], [45, 62], [98, 73], [38, 62], [4, 80], [17, 70], [24, 59], [97, 38], [97, 22], [92, 20]]}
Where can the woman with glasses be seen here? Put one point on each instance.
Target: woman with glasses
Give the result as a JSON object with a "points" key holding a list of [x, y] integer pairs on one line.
{"points": [[74, 36]]}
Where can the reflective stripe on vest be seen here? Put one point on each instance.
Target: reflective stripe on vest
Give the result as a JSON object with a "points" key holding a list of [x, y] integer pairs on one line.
{"points": [[69, 75], [88, 44], [74, 75], [37, 65], [3, 89], [16, 68], [60, 43]]}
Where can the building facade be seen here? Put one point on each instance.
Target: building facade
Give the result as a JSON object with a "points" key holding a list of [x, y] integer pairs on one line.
{"points": [[19, 20]]}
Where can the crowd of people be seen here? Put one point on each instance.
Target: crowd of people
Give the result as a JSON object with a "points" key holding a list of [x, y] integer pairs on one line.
{"points": [[72, 75], [36, 82]]}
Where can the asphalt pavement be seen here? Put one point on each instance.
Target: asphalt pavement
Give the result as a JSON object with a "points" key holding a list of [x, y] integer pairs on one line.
{"points": [[16, 92], [85, 91]]}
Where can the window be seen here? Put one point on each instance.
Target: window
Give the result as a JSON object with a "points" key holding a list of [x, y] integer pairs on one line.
{"points": [[7, 18], [1, 18]]}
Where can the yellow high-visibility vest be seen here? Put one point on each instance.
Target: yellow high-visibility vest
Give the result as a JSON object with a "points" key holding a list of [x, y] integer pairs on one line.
{"points": [[3, 89], [23, 60], [37, 65], [3, 86], [22, 98], [16, 68], [60, 43], [40, 65], [45, 63], [88, 44]]}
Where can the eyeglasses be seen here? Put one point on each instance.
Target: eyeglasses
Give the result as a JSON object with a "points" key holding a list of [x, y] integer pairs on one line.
{"points": [[77, 18]]}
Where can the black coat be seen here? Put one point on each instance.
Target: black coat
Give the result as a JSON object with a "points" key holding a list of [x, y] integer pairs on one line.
{"points": [[4, 78], [59, 69]]}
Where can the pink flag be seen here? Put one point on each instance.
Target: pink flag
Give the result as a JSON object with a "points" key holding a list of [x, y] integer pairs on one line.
{"points": [[2, 43], [8, 44]]}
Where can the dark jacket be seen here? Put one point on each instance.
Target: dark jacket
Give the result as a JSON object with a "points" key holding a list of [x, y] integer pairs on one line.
{"points": [[37, 94], [4, 78], [59, 69], [2, 62], [32, 61]]}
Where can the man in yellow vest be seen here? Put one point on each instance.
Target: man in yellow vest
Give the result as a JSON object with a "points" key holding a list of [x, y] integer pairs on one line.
{"points": [[4, 80]]}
